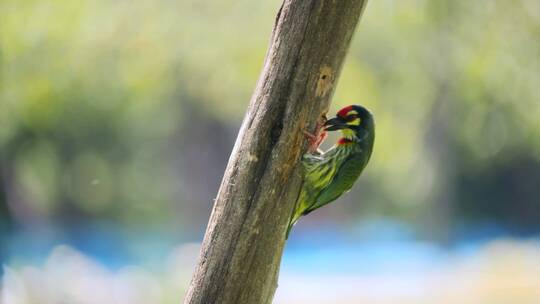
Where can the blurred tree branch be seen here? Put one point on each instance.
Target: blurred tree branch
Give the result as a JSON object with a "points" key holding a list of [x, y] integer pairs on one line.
{"points": [[241, 252]]}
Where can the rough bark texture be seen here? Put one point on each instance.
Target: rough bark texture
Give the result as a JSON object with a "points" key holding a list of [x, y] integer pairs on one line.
{"points": [[241, 251]]}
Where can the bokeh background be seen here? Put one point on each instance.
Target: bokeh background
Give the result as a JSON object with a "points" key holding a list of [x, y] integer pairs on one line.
{"points": [[117, 119]]}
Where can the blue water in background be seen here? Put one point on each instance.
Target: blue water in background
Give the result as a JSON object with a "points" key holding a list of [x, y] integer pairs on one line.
{"points": [[374, 246]]}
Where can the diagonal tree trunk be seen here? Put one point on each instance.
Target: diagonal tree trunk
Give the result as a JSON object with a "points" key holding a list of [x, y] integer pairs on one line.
{"points": [[241, 251]]}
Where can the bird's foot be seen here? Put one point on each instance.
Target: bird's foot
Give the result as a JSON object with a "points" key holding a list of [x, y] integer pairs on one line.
{"points": [[315, 139]]}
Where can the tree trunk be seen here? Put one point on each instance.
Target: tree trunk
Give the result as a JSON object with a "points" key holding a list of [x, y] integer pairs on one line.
{"points": [[241, 251]]}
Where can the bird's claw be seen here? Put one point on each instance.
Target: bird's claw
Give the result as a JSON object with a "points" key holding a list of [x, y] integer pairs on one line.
{"points": [[309, 135], [315, 139]]}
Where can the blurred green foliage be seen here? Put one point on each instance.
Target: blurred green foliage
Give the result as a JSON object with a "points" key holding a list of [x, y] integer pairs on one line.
{"points": [[127, 110]]}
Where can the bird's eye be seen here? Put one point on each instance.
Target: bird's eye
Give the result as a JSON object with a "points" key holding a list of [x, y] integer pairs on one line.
{"points": [[352, 117]]}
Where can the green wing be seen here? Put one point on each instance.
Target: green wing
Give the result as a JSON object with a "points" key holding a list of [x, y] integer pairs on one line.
{"points": [[319, 171], [326, 178], [342, 182]]}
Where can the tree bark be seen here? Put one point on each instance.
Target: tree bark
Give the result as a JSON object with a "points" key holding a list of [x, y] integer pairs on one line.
{"points": [[242, 247]]}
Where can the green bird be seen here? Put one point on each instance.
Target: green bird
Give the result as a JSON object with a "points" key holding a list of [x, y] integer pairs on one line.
{"points": [[330, 174]]}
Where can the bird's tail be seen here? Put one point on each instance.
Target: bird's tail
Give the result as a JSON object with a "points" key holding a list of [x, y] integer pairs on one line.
{"points": [[297, 213], [292, 222], [289, 230]]}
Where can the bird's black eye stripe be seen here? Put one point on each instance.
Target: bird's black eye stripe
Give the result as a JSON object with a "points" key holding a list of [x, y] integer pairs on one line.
{"points": [[352, 117]]}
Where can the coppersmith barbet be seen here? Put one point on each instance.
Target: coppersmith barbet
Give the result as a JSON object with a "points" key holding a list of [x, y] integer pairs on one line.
{"points": [[330, 174]]}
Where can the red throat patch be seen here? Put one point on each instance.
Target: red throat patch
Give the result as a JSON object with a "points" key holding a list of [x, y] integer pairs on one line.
{"points": [[344, 141], [343, 112]]}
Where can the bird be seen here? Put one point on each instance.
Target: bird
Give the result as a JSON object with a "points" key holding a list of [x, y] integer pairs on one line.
{"points": [[328, 175]]}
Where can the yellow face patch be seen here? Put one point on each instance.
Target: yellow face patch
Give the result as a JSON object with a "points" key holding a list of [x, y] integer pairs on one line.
{"points": [[348, 133], [355, 122]]}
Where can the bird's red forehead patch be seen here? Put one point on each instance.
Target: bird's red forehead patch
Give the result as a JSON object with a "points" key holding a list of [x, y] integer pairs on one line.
{"points": [[343, 112]]}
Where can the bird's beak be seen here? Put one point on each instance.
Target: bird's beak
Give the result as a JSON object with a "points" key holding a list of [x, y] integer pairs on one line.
{"points": [[334, 124]]}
